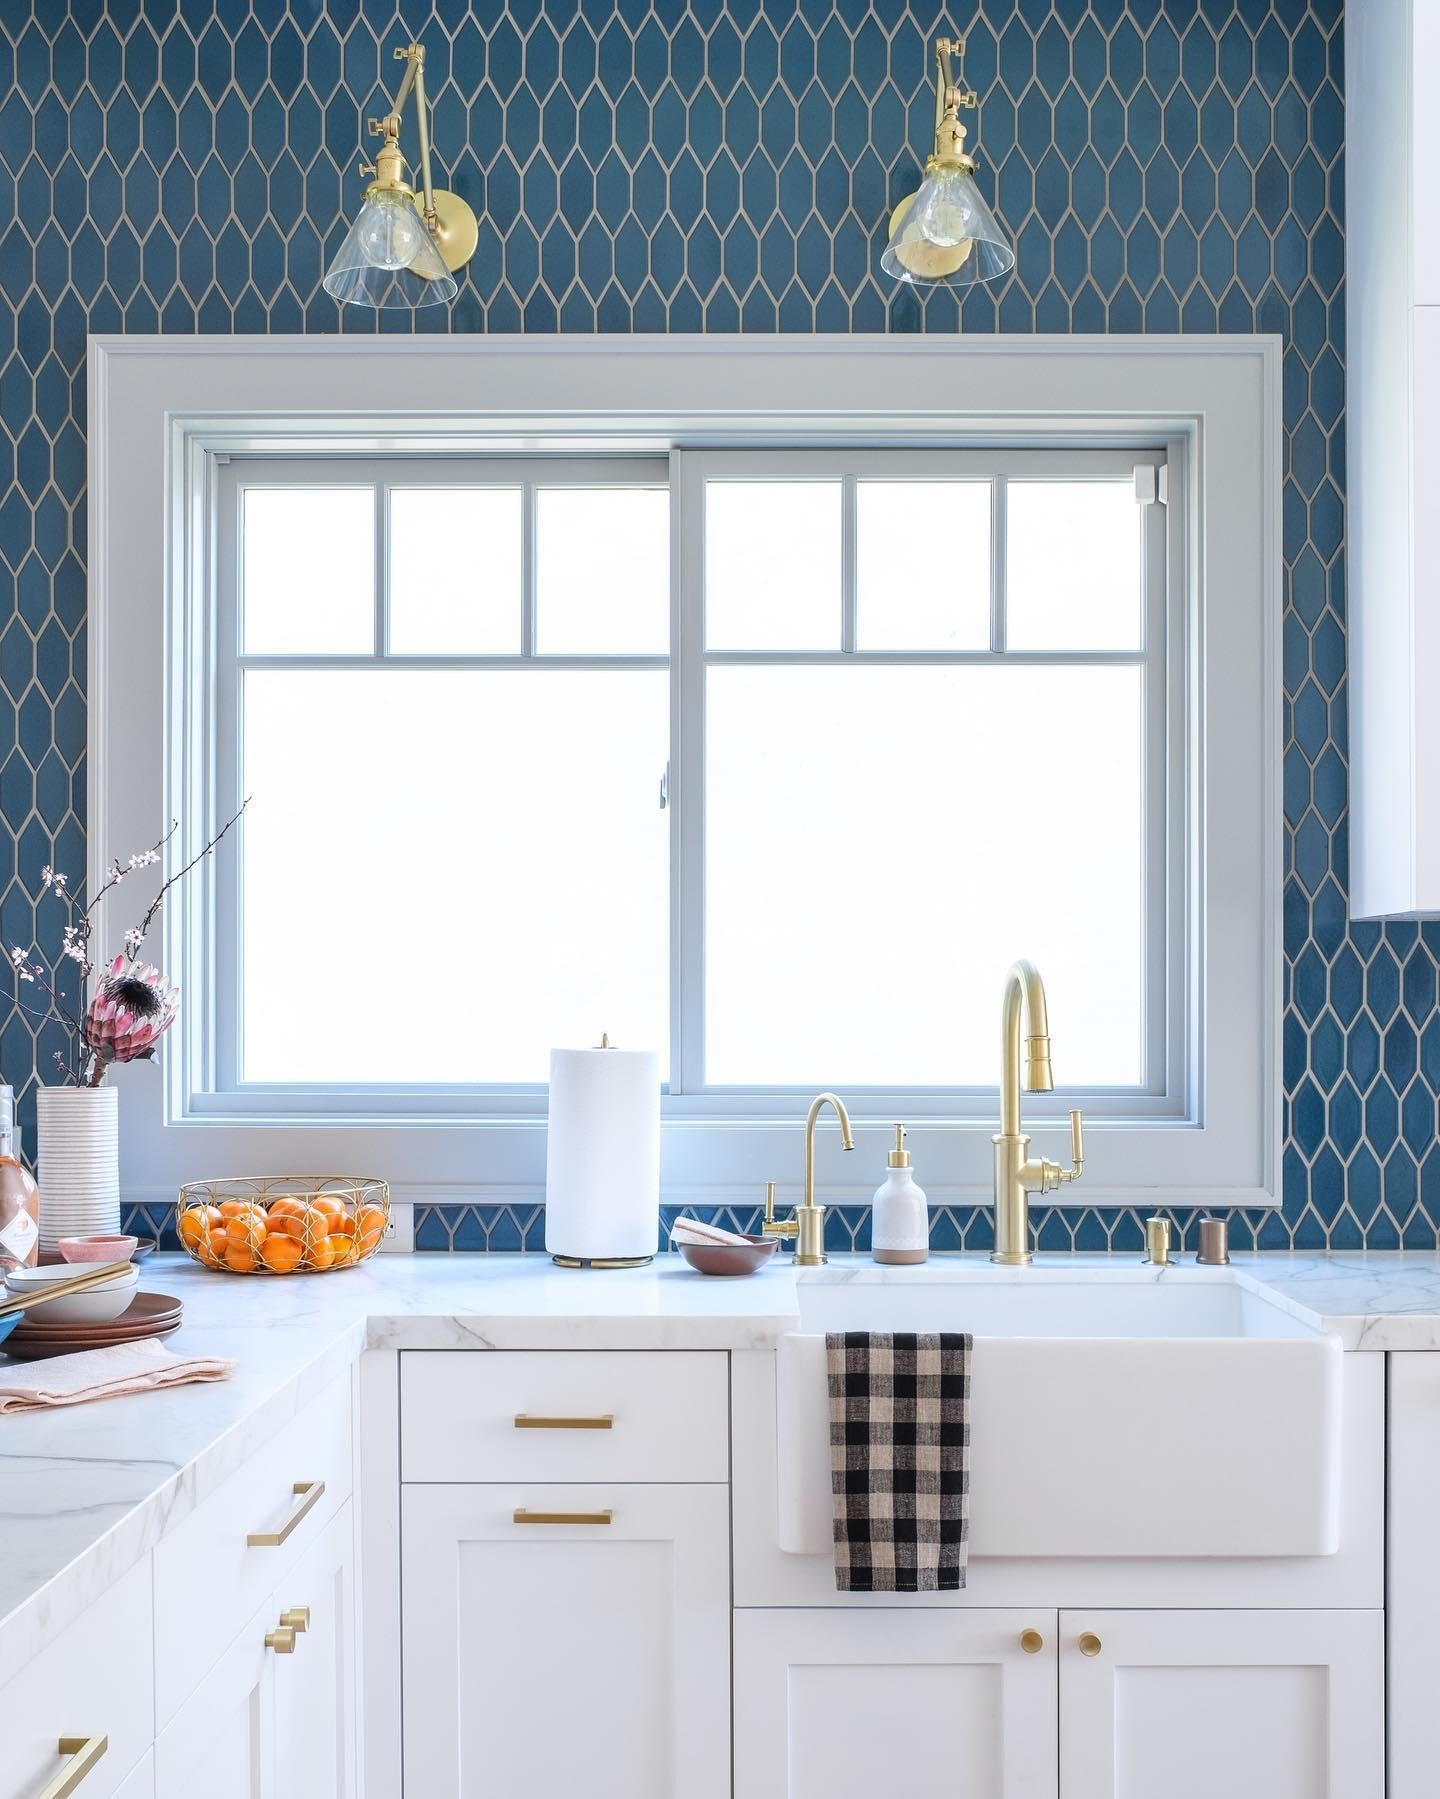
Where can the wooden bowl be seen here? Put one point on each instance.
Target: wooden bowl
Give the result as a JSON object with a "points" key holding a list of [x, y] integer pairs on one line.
{"points": [[729, 1259]]}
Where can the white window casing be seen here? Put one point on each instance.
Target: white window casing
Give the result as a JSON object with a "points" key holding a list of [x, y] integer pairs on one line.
{"points": [[1198, 419]]}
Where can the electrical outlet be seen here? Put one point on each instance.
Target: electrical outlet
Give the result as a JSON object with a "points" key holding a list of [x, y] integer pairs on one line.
{"points": [[400, 1232]]}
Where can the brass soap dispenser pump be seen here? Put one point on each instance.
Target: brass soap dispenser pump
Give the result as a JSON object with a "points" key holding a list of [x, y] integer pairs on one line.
{"points": [[900, 1218]]}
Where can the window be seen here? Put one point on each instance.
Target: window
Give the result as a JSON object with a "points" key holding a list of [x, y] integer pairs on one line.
{"points": [[756, 699], [452, 681]]}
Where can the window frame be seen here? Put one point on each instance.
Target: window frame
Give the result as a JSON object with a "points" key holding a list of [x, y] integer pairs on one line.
{"points": [[166, 413]]}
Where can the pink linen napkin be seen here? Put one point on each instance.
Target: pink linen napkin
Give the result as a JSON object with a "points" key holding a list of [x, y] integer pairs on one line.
{"points": [[137, 1367]]}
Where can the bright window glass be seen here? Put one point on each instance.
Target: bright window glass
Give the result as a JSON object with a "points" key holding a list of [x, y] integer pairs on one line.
{"points": [[772, 565], [455, 568], [1073, 561], [922, 565], [869, 879], [308, 571], [446, 872], [602, 584]]}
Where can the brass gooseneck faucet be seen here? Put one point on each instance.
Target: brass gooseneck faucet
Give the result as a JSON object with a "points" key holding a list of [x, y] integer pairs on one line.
{"points": [[806, 1224], [1016, 1177]]}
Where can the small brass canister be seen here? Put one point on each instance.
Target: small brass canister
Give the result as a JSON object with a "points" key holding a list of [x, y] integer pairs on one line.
{"points": [[1214, 1249], [1157, 1241]]}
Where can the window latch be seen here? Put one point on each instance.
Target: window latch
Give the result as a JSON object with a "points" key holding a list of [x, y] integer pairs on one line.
{"points": [[1152, 483], [665, 787]]}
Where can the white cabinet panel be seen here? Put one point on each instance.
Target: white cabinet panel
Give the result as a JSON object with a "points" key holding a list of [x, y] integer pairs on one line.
{"points": [[668, 1415], [1248, 1705], [549, 1659], [1413, 1612], [934, 1705], [93, 1680], [315, 1687], [139, 1783], [221, 1741]]}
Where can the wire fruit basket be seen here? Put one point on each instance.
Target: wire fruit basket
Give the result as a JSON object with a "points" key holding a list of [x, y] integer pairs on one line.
{"points": [[284, 1223]]}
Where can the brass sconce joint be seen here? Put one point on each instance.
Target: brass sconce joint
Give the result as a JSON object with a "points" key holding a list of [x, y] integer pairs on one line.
{"points": [[951, 95]]}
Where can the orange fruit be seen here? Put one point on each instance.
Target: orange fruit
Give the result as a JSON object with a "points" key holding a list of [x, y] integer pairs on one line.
{"points": [[287, 1206], [247, 1228], [196, 1224], [369, 1228], [240, 1257], [281, 1254], [231, 1208], [318, 1253], [342, 1249], [328, 1203], [210, 1251]]}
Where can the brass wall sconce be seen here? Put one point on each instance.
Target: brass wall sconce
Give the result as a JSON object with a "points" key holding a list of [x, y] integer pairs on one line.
{"points": [[945, 231], [404, 247]]}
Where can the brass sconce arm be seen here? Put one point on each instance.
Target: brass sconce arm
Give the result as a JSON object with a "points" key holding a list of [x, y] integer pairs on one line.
{"points": [[950, 97]]}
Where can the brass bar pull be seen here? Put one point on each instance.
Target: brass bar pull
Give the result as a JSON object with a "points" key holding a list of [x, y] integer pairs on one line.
{"points": [[534, 1421], [523, 1515], [1088, 1643], [308, 1492], [84, 1753], [1031, 1642]]}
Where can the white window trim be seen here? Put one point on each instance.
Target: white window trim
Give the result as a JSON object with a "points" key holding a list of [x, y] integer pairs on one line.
{"points": [[163, 408]]}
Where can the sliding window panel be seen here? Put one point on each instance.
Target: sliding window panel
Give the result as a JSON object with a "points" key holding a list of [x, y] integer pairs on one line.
{"points": [[448, 871], [882, 841]]}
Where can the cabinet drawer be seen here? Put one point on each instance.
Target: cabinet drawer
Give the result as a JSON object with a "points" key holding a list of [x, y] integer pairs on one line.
{"points": [[94, 1680], [599, 1415], [209, 1577]]}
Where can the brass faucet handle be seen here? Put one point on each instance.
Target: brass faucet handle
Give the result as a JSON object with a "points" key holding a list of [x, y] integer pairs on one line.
{"points": [[1077, 1149], [770, 1225]]}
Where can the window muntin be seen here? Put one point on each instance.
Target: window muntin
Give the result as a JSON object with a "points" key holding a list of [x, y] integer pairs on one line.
{"points": [[758, 857]]}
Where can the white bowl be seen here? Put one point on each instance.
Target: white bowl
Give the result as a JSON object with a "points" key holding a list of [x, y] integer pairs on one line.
{"points": [[96, 1305], [124, 1274]]}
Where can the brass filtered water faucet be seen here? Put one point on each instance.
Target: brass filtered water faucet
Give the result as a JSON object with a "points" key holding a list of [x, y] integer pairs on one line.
{"points": [[806, 1224], [1016, 1177]]}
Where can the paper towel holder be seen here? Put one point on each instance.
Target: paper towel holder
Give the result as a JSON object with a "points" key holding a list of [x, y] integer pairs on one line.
{"points": [[563, 1260]]}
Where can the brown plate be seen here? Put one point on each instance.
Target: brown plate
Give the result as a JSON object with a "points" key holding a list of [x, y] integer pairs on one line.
{"points": [[35, 1348], [144, 1311]]}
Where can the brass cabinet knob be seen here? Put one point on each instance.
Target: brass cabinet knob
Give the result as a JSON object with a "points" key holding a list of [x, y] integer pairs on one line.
{"points": [[1031, 1642], [1088, 1643], [297, 1618], [281, 1639]]}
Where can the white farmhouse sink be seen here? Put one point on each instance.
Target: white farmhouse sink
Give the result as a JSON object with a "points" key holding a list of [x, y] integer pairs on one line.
{"points": [[1114, 1412]]}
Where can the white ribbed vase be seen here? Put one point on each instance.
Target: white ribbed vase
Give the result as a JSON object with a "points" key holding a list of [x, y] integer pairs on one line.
{"points": [[78, 1153]]}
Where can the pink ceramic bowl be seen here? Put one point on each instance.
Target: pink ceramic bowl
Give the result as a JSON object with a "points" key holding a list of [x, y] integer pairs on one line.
{"points": [[98, 1249]]}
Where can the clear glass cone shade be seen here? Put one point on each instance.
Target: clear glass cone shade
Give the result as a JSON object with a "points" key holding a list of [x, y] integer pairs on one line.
{"points": [[947, 233], [389, 258]]}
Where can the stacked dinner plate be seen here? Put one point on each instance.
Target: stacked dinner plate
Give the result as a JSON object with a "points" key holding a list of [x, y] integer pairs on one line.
{"points": [[148, 1315]]}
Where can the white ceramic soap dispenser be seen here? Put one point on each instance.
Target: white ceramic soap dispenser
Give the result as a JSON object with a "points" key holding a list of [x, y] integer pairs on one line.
{"points": [[900, 1221]]}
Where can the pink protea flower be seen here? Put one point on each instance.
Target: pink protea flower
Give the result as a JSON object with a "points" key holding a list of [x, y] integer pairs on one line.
{"points": [[131, 1011]]}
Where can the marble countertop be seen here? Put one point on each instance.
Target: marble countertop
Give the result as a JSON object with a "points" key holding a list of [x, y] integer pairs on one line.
{"points": [[85, 1491]]}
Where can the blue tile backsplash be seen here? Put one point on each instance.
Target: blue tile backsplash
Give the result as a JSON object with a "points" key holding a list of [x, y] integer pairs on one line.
{"points": [[1162, 165]]}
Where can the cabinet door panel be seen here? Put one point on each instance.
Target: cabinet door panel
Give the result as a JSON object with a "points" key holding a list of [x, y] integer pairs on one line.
{"points": [[1251, 1705], [315, 1687], [221, 1741], [551, 1659], [935, 1705]]}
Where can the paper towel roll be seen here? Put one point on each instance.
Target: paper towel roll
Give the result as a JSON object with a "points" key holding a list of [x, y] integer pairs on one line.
{"points": [[602, 1153]]}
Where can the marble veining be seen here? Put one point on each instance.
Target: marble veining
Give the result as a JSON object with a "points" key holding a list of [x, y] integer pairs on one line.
{"points": [[85, 1492]]}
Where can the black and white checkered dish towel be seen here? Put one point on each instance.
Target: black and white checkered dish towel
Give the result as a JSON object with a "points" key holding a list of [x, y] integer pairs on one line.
{"points": [[899, 1459]]}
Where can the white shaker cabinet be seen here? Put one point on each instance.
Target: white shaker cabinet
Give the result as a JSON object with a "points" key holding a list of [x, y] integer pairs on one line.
{"points": [[566, 1639], [1392, 475], [1239, 1704], [931, 1704], [271, 1723]]}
